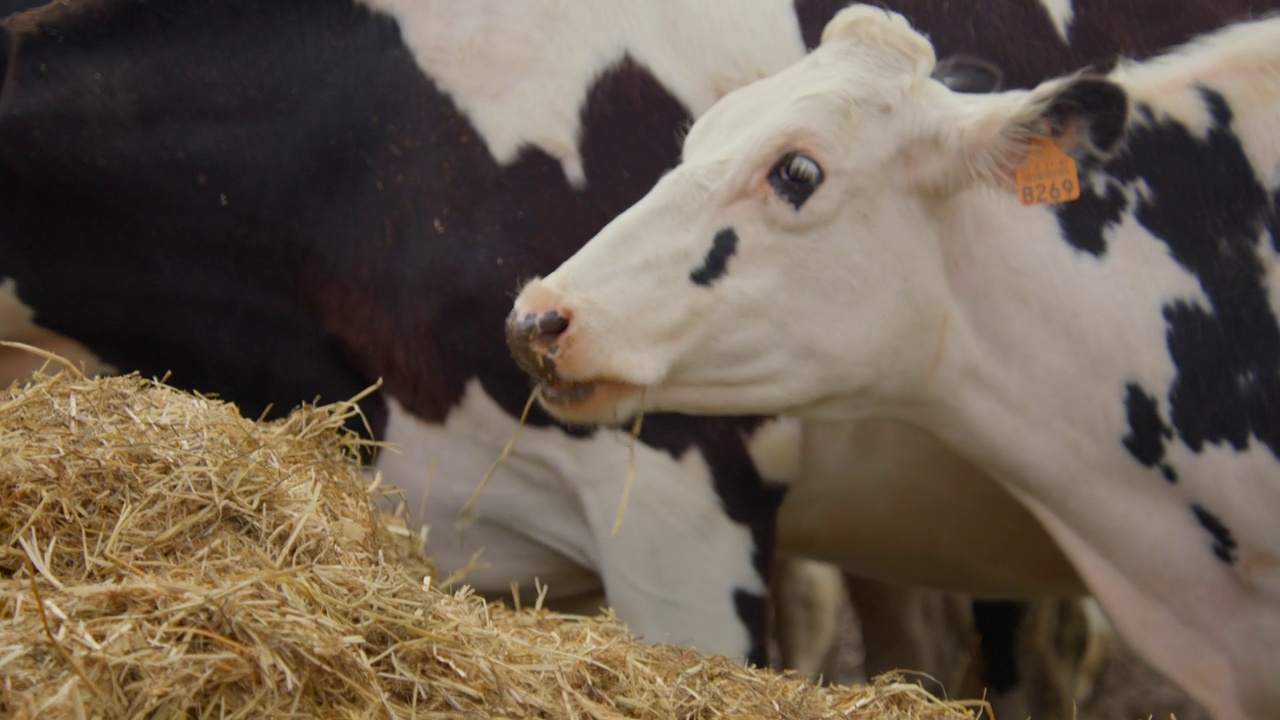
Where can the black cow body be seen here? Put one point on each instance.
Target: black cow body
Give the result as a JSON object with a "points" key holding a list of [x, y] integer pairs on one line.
{"points": [[273, 201]]}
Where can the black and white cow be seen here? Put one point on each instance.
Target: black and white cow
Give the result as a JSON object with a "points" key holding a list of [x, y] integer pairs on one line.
{"points": [[278, 201], [851, 239]]}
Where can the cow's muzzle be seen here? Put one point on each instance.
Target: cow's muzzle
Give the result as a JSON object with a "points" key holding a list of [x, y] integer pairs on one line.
{"points": [[533, 339], [546, 342]]}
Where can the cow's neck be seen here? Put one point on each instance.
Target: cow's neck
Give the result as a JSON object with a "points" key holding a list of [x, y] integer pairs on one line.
{"points": [[1043, 342], [1030, 383], [1051, 338]]}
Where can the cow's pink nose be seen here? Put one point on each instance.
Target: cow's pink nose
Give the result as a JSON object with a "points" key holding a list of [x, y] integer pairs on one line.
{"points": [[533, 341]]}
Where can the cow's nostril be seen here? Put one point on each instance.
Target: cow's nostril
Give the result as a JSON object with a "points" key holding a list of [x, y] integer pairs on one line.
{"points": [[550, 325], [541, 331], [533, 339]]}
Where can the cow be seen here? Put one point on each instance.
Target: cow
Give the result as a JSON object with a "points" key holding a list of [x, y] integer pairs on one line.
{"points": [[278, 201], [1073, 287]]}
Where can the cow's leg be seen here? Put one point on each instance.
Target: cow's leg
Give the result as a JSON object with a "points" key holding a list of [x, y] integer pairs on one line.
{"points": [[679, 570], [808, 596], [995, 671], [912, 629], [1037, 658], [1025, 657], [969, 648], [1060, 645], [996, 623]]}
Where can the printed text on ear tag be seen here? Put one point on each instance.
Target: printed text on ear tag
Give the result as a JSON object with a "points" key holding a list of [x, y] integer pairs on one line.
{"points": [[1047, 175]]}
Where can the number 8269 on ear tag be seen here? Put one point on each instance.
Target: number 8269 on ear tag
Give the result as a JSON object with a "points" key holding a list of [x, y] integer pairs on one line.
{"points": [[1047, 175]]}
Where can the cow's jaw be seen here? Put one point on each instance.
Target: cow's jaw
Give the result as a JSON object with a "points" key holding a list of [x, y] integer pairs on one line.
{"points": [[591, 402]]}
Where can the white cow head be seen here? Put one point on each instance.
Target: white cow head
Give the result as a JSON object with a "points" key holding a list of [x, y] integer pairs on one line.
{"points": [[792, 262]]}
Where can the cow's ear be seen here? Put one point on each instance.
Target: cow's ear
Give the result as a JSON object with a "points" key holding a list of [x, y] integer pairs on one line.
{"points": [[1085, 117], [986, 138]]}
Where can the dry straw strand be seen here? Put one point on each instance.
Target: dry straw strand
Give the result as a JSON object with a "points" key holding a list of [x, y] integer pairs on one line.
{"points": [[466, 514], [631, 476]]}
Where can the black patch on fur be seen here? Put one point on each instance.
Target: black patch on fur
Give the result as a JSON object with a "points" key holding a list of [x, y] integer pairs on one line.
{"points": [[8, 7], [716, 263], [1224, 544], [1085, 221], [1200, 196], [1273, 222], [753, 610], [1206, 204], [1147, 432]]}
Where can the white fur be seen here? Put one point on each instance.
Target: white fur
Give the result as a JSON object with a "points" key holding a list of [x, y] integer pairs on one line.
{"points": [[1060, 13], [808, 597], [548, 512], [947, 306], [520, 71]]}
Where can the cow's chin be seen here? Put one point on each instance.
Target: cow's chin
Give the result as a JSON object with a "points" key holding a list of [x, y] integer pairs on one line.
{"points": [[599, 402]]}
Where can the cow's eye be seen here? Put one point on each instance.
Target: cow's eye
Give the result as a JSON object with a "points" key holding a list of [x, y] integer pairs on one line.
{"points": [[795, 177]]}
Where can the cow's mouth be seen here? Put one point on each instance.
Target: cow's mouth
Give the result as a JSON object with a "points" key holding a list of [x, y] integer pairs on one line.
{"points": [[565, 393], [600, 401]]}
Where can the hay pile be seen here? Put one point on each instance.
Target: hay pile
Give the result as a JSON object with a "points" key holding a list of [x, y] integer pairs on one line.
{"points": [[160, 556]]}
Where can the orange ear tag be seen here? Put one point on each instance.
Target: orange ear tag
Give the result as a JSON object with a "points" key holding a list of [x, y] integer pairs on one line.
{"points": [[1047, 175]]}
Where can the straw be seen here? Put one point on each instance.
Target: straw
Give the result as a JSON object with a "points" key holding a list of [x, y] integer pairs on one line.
{"points": [[162, 556]]}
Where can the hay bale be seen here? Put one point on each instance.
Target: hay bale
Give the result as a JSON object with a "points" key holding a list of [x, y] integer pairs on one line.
{"points": [[161, 556]]}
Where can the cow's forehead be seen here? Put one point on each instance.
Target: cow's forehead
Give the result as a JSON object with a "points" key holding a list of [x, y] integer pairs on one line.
{"points": [[825, 95]]}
